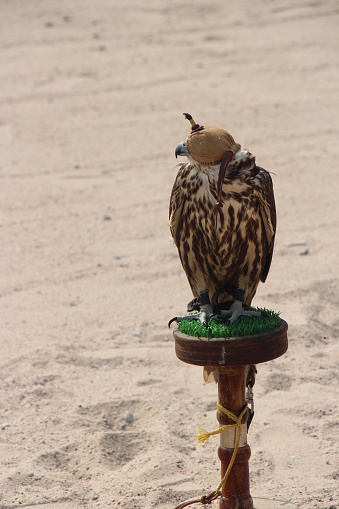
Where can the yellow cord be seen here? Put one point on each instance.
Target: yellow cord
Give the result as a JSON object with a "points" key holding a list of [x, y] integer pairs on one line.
{"points": [[204, 435]]}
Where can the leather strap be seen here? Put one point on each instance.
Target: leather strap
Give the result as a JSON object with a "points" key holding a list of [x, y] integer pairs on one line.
{"points": [[204, 500], [237, 293], [228, 156]]}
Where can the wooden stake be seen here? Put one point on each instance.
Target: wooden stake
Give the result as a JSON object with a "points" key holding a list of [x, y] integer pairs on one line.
{"points": [[231, 358]]}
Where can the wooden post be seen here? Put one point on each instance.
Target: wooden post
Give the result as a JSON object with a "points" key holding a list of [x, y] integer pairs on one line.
{"points": [[231, 395], [231, 358]]}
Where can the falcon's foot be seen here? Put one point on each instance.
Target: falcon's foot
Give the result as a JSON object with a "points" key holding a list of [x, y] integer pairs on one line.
{"points": [[205, 313], [234, 312]]}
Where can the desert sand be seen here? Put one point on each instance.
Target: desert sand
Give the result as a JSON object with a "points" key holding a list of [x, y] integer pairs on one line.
{"points": [[92, 96]]}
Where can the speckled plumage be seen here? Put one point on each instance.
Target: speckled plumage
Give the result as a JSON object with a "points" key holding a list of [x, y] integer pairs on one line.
{"points": [[227, 246]]}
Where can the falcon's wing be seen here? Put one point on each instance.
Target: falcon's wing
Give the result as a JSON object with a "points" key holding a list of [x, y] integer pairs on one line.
{"points": [[268, 215], [177, 201]]}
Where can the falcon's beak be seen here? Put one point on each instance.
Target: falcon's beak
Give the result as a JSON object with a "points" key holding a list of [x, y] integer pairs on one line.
{"points": [[181, 150]]}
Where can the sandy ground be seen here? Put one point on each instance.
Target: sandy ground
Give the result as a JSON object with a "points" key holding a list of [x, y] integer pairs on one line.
{"points": [[92, 95]]}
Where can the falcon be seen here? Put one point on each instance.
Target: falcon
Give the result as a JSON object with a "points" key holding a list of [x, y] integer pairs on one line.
{"points": [[223, 222]]}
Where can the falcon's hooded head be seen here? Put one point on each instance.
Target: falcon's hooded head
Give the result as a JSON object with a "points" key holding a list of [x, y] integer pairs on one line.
{"points": [[208, 146]]}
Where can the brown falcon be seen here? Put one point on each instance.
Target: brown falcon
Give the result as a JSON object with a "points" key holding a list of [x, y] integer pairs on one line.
{"points": [[223, 222]]}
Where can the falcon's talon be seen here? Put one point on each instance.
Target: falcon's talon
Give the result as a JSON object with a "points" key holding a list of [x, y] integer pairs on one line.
{"points": [[236, 311], [203, 316], [227, 316], [174, 319], [179, 319], [215, 315]]}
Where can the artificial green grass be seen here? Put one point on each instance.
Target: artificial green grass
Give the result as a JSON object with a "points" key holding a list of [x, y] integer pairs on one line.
{"points": [[243, 326]]}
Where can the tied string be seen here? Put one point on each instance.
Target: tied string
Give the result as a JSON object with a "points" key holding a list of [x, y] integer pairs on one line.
{"points": [[204, 500], [203, 436]]}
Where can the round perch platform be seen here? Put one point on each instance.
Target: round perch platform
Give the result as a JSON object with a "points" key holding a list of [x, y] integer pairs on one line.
{"points": [[242, 351], [231, 358]]}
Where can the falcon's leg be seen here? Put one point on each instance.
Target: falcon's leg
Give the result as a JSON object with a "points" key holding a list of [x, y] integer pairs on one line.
{"points": [[206, 310], [235, 311], [204, 315]]}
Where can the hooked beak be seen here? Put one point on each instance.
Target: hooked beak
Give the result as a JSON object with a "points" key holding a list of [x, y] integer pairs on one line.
{"points": [[181, 150]]}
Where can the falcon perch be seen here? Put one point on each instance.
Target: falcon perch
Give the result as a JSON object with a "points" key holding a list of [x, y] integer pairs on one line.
{"points": [[223, 222]]}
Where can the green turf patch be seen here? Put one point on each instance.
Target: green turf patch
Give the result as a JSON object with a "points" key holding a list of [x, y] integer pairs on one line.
{"points": [[244, 326]]}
